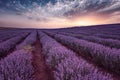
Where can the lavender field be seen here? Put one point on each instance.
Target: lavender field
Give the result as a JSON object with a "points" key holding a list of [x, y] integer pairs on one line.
{"points": [[78, 53]]}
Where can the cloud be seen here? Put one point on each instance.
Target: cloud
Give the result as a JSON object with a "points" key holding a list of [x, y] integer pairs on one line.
{"points": [[63, 9], [114, 6], [71, 8]]}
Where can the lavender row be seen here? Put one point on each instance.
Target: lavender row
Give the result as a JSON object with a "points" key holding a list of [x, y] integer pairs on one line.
{"points": [[108, 58], [9, 34], [102, 29], [108, 36], [9, 44], [29, 41], [15, 33], [106, 42], [5, 38], [65, 64], [17, 66]]}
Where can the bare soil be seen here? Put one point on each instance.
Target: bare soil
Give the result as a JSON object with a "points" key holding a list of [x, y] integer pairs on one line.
{"points": [[42, 71]]}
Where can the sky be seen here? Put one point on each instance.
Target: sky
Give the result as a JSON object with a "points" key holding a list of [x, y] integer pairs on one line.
{"points": [[58, 13]]}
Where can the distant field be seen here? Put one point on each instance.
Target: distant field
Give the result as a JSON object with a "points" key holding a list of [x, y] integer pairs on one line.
{"points": [[78, 53], [1, 27]]}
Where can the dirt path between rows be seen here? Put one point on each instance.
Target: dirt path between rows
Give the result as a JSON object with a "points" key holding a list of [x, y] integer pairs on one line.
{"points": [[42, 72]]}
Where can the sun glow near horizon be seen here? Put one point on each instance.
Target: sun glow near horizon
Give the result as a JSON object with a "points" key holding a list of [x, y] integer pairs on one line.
{"points": [[55, 22]]}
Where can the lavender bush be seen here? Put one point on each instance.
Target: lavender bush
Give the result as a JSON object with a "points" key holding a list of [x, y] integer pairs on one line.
{"points": [[78, 69], [107, 57], [106, 42], [108, 36], [17, 66], [9, 44], [66, 65], [30, 40], [5, 34]]}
